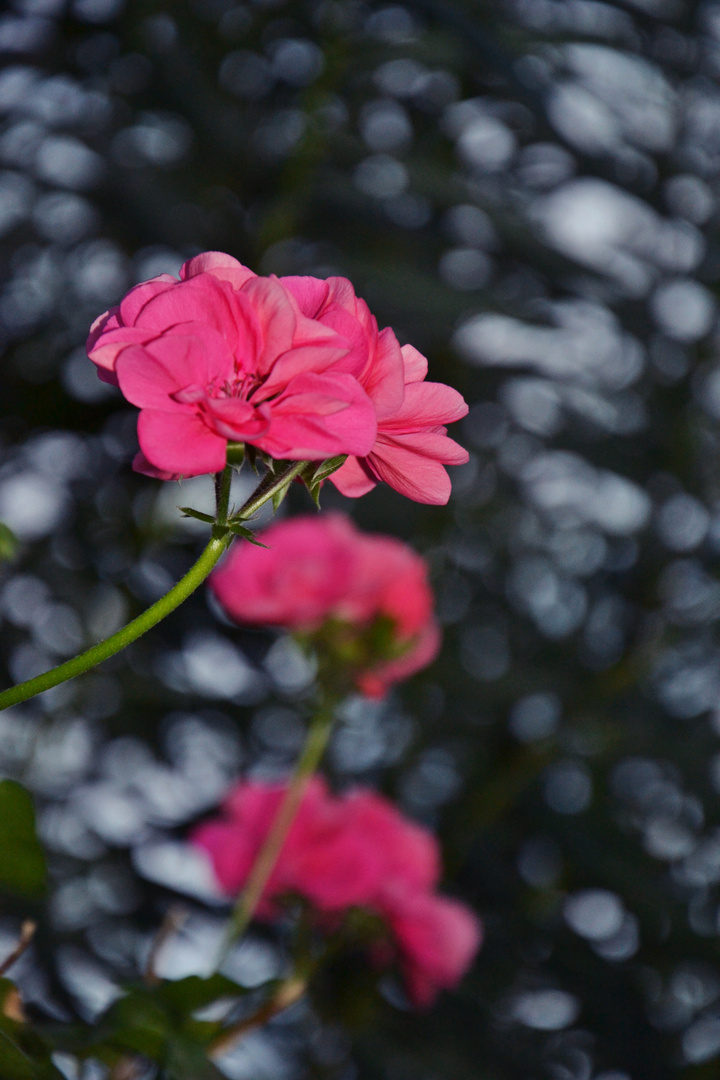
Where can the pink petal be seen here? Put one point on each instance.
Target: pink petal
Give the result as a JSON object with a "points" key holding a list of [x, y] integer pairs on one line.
{"points": [[358, 343], [320, 416], [352, 480], [134, 301], [420, 478], [438, 939], [195, 356], [377, 682], [107, 321], [237, 420], [276, 314], [203, 300], [426, 405], [109, 344], [315, 357], [311, 293], [221, 266], [415, 364], [142, 465], [293, 584], [180, 443], [384, 381], [231, 853]]}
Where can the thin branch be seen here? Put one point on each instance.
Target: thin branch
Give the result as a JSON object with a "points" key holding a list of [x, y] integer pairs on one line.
{"points": [[171, 924], [286, 995], [27, 933]]}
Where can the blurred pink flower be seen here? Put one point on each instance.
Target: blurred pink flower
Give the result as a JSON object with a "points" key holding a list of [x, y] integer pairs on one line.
{"points": [[353, 851], [223, 355], [322, 571]]}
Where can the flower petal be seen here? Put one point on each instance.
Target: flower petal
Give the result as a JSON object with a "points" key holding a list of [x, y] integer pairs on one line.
{"points": [[426, 405], [195, 356], [319, 416], [353, 479], [222, 266], [180, 443]]}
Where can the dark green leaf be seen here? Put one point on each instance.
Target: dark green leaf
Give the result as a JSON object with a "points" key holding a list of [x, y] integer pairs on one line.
{"points": [[22, 867], [186, 995], [139, 1024], [188, 1061]]}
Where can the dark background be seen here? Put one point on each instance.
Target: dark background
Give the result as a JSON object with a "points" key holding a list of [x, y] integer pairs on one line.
{"points": [[526, 191]]}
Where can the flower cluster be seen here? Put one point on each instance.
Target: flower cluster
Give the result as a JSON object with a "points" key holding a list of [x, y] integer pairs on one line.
{"points": [[293, 366], [363, 600], [347, 852]]}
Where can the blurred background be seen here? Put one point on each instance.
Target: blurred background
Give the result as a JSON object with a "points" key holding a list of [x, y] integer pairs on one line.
{"points": [[528, 192]]}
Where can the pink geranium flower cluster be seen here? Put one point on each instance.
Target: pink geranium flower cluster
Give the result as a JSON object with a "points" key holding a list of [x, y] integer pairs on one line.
{"points": [[322, 573], [293, 366], [352, 851]]}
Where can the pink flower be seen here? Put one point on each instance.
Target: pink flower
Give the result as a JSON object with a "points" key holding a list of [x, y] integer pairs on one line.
{"points": [[320, 572], [223, 355], [412, 444], [437, 939], [353, 851]]}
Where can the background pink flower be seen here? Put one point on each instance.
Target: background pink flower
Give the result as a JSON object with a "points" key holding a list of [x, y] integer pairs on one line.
{"points": [[345, 852], [318, 569], [223, 355]]}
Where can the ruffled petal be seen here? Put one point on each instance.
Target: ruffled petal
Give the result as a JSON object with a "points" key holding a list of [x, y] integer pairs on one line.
{"points": [[426, 405], [221, 266], [319, 416], [353, 478], [311, 293], [180, 443], [133, 302], [410, 472], [414, 363], [195, 356]]}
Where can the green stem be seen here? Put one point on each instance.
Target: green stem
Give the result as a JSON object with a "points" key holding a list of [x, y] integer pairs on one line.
{"points": [[195, 576], [124, 637], [315, 743], [270, 485]]}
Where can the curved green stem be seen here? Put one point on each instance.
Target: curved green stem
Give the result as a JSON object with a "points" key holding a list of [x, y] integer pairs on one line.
{"points": [[124, 637], [315, 743], [221, 539]]}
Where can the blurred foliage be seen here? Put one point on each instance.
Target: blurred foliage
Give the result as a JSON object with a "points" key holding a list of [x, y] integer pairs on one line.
{"points": [[23, 869], [527, 191]]}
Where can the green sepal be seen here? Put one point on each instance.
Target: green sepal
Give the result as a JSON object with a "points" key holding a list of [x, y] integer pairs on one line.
{"points": [[235, 454], [280, 495], [317, 472], [9, 543], [187, 511], [325, 468], [251, 456], [247, 534]]}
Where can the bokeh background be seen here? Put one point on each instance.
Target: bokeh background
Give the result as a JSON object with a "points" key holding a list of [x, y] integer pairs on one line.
{"points": [[528, 192]]}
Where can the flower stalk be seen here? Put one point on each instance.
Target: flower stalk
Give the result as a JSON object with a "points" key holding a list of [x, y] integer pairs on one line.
{"points": [[220, 541], [315, 743]]}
